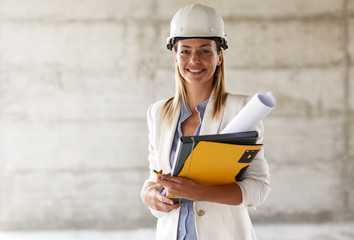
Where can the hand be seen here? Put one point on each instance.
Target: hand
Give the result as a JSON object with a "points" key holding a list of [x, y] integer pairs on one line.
{"points": [[152, 197], [181, 187]]}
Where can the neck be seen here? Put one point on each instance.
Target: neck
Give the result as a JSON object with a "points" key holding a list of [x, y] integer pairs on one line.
{"points": [[196, 95]]}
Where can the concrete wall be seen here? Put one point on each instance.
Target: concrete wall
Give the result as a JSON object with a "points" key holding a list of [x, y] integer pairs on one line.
{"points": [[76, 78]]}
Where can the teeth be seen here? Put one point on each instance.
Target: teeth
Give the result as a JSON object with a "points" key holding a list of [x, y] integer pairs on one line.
{"points": [[195, 70]]}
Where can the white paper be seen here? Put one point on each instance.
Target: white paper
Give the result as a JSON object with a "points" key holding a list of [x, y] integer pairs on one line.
{"points": [[254, 111]]}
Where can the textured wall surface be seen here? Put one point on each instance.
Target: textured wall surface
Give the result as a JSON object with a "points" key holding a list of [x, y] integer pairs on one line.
{"points": [[76, 78]]}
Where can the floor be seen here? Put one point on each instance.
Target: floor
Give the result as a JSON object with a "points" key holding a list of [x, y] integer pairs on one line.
{"points": [[264, 232]]}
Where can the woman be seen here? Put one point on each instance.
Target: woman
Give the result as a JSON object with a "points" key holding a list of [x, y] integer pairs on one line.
{"points": [[200, 106]]}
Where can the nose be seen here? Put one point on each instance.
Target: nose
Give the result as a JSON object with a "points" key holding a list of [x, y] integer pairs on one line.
{"points": [[194, 58]]}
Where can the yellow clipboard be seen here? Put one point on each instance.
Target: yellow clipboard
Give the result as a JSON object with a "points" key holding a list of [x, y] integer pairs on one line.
{"points": [[215, 159], [213, 163]]}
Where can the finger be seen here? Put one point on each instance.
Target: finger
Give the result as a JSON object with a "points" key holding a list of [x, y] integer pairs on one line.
{"points": [[159, 187], [169, 184], [174, 206], [168, 208], [168, 177], [164, 182], [167, 200], [164, 199]]}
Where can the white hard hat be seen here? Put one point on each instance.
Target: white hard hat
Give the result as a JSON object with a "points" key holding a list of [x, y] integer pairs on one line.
{"points": [[197, 21]]}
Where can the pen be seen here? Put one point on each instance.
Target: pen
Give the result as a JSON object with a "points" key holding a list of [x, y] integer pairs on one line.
{"points": [[157, 173]]}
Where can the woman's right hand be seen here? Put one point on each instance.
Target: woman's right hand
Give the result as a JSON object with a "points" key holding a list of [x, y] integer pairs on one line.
{"points": [[152, 197]]}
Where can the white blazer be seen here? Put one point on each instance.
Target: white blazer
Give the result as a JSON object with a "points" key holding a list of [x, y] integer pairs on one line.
{"points": [[213, 220]]}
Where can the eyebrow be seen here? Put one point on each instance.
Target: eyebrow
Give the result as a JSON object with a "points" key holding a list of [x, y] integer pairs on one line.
{"points": [[204, 45]]}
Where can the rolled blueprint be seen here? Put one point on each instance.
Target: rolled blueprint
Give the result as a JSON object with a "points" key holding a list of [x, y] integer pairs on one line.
{"points": [[254, 111]]}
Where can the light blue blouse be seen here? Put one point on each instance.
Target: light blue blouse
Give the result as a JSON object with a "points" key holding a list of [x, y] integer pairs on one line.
{"points": [[186, 224]]}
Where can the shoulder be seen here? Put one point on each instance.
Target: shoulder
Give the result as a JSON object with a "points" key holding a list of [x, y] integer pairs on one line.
{"points": [[237, 97], [233, 105], [156, 107], [236, 101], [154, 113]]}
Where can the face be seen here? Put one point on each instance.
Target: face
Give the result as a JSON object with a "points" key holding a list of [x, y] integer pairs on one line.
{"points": [[197, 60]]}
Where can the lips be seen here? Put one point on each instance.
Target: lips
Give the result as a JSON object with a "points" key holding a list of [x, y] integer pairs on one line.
{"points": [[195, 70]]}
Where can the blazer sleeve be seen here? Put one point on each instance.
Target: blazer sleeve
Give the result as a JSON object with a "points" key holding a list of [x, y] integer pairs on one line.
{"points": [[151, 118], [256, 186], [154, 122]]}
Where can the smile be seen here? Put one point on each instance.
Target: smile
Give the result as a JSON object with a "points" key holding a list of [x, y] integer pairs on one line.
{"points": [[195, 70]]}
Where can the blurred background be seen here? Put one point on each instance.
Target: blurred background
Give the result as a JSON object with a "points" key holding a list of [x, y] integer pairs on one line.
{"points": [[77, 77]]}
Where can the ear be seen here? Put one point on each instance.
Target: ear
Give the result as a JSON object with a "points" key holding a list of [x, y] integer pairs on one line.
{"points": [[220, 57]]}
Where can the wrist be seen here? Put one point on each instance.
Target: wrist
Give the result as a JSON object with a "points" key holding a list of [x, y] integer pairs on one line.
{"points": [[202, 193]]}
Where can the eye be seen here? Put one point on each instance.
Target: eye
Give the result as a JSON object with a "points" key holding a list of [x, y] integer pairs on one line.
{"points": [[184, 52], [205, 51]]}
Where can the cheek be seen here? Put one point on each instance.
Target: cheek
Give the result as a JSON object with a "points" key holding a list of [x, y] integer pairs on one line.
{"points": [[178, 60], [182, 58]]}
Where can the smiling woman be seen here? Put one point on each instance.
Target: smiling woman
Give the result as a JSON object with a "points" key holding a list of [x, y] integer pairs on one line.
{"points": [[200, 106], [197, 60]]}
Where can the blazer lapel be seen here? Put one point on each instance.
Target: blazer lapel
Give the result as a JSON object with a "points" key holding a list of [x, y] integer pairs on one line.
{"points": [[211, 125], [166, 141]]}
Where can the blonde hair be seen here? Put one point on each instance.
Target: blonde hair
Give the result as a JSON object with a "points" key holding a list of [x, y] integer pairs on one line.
{"points": [[170, 107]]}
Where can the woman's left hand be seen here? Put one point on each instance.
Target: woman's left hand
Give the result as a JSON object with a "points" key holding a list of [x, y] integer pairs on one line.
{"points": [[181, 187]]}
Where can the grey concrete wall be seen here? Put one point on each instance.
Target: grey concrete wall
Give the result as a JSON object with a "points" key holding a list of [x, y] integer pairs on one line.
{"points": [[76, 78]]}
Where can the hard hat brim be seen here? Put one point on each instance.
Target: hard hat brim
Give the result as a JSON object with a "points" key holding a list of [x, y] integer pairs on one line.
{"points": [[172, 41]]}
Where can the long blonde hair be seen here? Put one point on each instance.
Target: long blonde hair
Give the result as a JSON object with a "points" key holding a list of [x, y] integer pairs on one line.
{"points": [[171, 106]]}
